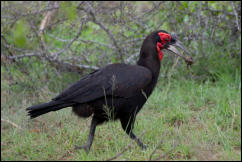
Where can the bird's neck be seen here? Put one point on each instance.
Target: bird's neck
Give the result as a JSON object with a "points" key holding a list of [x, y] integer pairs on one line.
{"points": [[154, 66], [151, 61], [149, 58]]}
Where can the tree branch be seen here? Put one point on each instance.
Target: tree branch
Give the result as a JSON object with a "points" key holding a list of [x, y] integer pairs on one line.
{"points": [[12, 123], [163, 156], [71, 42], [125, 149], [157, 146], [236, 16], [91, 11]]}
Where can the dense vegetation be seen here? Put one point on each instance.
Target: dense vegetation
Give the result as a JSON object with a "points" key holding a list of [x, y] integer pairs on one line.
{"points": [[193, 114]]}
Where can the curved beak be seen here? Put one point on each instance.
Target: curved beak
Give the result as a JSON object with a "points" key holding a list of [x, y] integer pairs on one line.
{"points": [[179, 44]]}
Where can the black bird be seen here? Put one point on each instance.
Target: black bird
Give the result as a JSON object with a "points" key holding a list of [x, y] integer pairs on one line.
{"points": [[116, 91]]}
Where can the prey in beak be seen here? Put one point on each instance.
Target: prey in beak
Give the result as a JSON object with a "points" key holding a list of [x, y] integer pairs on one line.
{"points": [[172, 48]]}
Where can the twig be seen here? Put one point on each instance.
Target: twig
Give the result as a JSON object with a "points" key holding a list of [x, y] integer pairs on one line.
{"points": [[101, 24], [131, 58], [81, 39], [234, 116], [24, 55], [12, 123], [236, 16], [53, 58], [96, 42], [163, 156], [6, 45], [31, 13], [157, 146], [71, 66], [49, 15], [75, 38], [156, 7], [125, 149]]}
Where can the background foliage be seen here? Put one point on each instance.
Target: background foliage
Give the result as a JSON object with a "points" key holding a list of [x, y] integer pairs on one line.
{"points": [[45, 46]]}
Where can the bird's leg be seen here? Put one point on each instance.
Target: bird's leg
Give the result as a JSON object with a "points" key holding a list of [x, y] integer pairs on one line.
{"points": [[127, 126], [137, 140], [87, 146]]}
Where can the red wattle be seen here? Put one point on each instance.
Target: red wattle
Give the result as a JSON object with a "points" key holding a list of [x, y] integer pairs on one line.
{"points": [[160, 53]]}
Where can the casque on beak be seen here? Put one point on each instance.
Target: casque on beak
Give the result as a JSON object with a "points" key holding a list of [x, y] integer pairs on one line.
{"points": [[179, 44]]}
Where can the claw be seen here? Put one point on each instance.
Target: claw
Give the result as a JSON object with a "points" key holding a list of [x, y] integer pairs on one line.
{"points": [[85, 147], [144, 147]]}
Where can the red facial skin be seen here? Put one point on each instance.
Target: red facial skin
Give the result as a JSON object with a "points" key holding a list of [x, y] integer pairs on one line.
{"points": [[164, 37]]}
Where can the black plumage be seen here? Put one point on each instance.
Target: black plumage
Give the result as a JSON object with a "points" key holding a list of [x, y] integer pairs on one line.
{"points": [[116, 91]]}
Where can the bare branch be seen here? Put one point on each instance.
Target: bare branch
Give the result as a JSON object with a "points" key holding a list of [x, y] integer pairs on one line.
{"points": [[15, 57], [155, 8], [49, 16], [91, 11], [167, 153], [131, 58], [236, 16], [158, 145], [124, 23], [6, 45], [71, 42], [125, 149], [12, 123], [233, 119]]}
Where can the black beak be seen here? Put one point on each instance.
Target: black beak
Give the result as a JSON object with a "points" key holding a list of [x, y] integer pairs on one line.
{"points": [[179, 44]]}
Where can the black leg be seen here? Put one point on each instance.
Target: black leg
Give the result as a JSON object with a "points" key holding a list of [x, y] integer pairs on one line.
{"points": [[127, 125], [88, 145], [137, 140]]}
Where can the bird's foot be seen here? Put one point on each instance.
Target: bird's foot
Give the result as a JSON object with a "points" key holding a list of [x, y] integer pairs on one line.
{"points": [[85, 147], [143, 146]]}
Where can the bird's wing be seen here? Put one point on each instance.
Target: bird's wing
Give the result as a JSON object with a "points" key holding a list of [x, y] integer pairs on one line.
{"points": [[120, 80]]}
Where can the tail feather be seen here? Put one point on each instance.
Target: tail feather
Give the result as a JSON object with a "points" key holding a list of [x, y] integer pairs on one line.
{"points": [[37, 110]]}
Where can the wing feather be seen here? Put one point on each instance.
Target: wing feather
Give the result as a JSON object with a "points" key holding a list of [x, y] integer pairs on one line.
{"points": [[120, 80]]}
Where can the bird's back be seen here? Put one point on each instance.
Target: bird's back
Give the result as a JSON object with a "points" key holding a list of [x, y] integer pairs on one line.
{"points": [[118, 80], [116, 90]]}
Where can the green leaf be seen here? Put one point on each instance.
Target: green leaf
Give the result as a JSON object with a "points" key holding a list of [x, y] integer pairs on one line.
{"points": [[19, 33], [69, 10], [185, 4]]}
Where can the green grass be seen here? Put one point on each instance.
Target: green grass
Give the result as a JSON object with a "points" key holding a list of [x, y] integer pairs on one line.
{"points": [[202, 119], [194, 114]]}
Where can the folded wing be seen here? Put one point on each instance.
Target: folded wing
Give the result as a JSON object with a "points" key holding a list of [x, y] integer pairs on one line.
{"points": [[119, 80]]}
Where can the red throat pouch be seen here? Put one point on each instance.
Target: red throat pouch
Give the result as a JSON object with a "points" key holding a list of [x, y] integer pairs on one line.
{"points": [[160, 45], [160, 53]]}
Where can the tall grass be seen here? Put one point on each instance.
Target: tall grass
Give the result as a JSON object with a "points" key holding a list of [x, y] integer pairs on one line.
{"points": [[203, 118]]}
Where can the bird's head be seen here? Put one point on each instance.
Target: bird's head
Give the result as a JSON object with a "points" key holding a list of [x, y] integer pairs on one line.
{"points": [[167, 41]]}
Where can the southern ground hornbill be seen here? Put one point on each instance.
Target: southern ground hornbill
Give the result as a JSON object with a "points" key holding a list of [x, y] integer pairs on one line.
{"points": [[116, 91]]}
